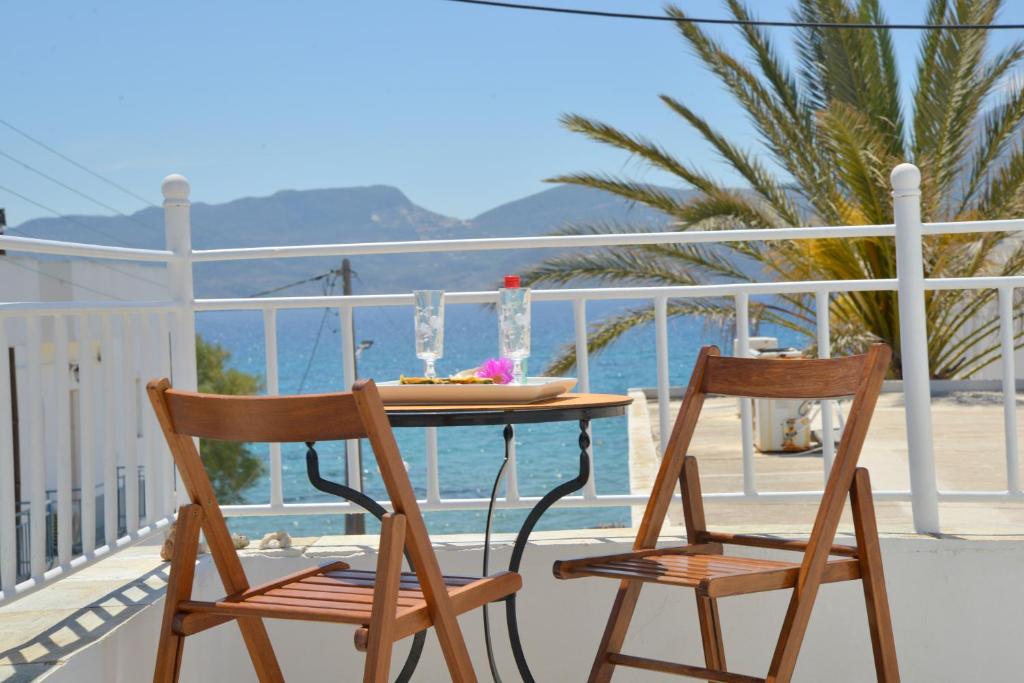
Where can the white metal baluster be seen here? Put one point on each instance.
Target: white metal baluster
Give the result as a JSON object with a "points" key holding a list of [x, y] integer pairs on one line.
{"points": [[129, 433], [579, 316], [348, 357], [273, 389], [87, 401], [109, 444], [512, 474], [746, 413], [828, 446], [1009, 389], [149, 369], [661, 351], [348, 366], [433, 471], [8, 542], [62, 428], [33, 448], [917, 389], [166, 495]]}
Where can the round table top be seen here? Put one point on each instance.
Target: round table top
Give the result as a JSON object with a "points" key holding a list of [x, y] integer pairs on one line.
{"points": [[559, 409]]}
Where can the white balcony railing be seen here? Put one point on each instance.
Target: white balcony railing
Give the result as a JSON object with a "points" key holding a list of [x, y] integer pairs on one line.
{"points": [[155, 338]]}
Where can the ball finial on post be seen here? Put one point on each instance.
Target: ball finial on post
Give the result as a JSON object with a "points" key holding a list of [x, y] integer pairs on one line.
{"points": [[176, 188], [905, 178]]}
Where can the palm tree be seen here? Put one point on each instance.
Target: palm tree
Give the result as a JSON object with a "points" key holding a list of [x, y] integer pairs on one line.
{"points": [[834, 126]]}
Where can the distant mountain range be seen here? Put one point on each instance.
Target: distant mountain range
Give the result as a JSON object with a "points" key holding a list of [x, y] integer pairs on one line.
{"points": [[377, 213]]}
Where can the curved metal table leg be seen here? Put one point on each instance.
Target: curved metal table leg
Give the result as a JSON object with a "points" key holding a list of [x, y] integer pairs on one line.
{"points": [[549, 499], [508, 434], [375, 509]]}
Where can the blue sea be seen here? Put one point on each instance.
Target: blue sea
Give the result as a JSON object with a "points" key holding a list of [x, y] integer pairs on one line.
{"points": [[468, 456]]}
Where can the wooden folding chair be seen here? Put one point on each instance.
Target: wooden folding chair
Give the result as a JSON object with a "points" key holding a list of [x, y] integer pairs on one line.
{"points": [[386, 605], [701, 565]]}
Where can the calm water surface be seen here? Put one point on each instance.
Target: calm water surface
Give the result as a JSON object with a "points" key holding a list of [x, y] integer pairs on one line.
{"points": [[468, 456]]}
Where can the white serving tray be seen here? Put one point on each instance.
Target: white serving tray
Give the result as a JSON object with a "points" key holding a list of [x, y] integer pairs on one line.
{"points": [[535, 389]]}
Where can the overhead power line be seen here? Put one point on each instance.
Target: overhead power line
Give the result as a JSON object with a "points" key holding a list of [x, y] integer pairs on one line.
{"points": [[74, 163], [89, 197], [87, 227], [329, 282], [99, 176], [321, 276], [738, 22], [69, 219]]}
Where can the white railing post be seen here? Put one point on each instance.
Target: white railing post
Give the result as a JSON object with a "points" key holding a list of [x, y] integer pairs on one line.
{"points": [[579, 318], [8, 533], [913, 352], [828, 446], [664, 385], [178, 237], [273, 389], [746, 405], [1007, 340]]}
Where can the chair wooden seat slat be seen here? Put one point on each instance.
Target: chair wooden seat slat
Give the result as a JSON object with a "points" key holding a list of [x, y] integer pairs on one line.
{"points": [[346, 595], [714, 575], [385, 604], [702, 566]]}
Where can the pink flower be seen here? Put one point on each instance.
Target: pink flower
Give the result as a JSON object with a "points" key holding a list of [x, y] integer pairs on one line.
{"points": [[497, 369]]}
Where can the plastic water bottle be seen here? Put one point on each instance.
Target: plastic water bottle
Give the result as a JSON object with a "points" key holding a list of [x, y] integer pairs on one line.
{"points": [[514, 324]]}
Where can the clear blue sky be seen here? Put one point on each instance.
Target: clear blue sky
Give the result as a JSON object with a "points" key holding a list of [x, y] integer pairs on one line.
{"points": [[456, 105]]}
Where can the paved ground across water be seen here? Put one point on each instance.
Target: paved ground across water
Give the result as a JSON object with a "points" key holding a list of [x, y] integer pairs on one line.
{"points": [[969, 452]]}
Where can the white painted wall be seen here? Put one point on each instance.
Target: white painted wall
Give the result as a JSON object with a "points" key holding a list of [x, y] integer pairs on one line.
{"points": [[956, 607]]}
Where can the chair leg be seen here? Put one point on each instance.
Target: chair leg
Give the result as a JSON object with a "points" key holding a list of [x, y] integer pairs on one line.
{"points": [[711, 632], [179, 587], [883, 644], [385, 599], [615, 630], [168, 658], [261, 651]]}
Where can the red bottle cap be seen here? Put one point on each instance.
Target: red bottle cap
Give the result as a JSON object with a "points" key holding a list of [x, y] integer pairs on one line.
{"points": [[512, 282]]}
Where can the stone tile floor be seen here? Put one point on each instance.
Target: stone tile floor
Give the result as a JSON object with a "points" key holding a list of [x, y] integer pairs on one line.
{"points": [[969, 456]]}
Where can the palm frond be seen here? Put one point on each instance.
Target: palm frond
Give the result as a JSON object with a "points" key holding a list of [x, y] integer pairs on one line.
{"points": [[655, 155], [642, 193], [753, 172]]}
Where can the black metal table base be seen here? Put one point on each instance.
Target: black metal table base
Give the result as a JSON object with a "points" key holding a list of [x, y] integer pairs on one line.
{"points": [[476, 418], [519, 547], [374, 508]]}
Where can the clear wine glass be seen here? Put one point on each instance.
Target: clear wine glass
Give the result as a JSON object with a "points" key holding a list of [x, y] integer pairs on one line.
{"points": [[429, 321]]}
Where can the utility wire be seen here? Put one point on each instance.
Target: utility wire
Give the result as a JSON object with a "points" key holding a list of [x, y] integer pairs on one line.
{"points": [[95, 174], [76, 191], [328, 288], [87, 227], [312, 353], [294, 284], [74, 163], [69, 219], [739, 22]]}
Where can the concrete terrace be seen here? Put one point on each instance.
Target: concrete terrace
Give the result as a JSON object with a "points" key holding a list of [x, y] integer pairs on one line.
{"points": [[963, 463]]}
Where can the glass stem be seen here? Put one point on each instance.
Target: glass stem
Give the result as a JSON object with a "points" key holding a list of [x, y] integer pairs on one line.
{"points": [[429, 371], [517, 371]]}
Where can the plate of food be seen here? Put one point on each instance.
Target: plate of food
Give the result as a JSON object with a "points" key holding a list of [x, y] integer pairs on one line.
{"points": [[471, 389]]}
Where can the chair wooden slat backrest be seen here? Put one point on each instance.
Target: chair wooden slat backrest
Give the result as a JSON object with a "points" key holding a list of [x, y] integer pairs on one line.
{"points": [[857, 376], [324, 417]]}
